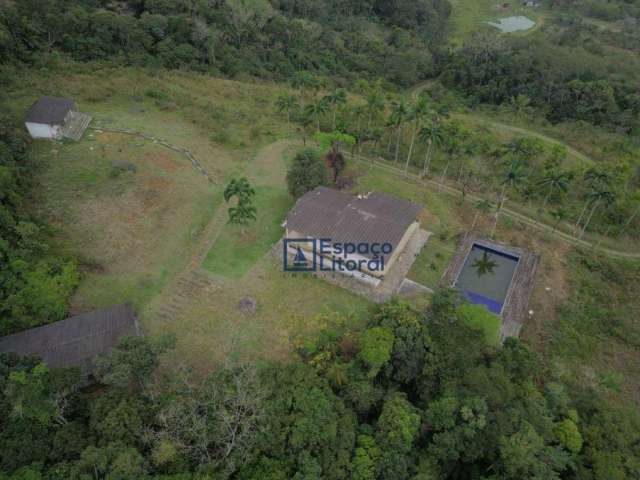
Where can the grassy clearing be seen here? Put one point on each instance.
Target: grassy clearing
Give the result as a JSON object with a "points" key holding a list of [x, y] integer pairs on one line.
{"points": [[479, 318], [132, 231], [470, 15], [597, 332], [290, 308], [432, 261], [136, 232], [238, 248]]}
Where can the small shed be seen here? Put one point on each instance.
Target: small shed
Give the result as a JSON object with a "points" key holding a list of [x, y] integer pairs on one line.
{"points": [[76, 341], [56, 117]]}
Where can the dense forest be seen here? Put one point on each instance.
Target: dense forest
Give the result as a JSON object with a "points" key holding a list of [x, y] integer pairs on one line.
{"points": [[336, 38], [413, 395]]}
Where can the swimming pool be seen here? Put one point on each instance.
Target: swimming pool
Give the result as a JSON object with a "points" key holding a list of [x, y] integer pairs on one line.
{"points": [[486, 277]]}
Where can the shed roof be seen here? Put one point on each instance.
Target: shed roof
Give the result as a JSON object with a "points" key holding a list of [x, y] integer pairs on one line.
{"points": [[50, 110], [345, 218], [74, 342]]}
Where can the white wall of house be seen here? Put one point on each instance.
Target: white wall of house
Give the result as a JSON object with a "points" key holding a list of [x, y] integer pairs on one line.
{"points": [[42, 130]]}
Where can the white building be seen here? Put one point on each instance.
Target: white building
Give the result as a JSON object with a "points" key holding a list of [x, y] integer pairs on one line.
{"points": [[47, 117]]}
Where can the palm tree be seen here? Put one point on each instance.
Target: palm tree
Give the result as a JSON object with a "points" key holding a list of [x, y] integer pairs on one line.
{"points": [[287, 103], [520, 104], [316, 109], [559, 215], [482, 207], [358, 111], [514, 177], [555, 182], [599, 196], [484, 265], [636, 200], [417, 113], [596, 179], [240, 188], [375, 104], [399, 111], [304, 81], [432, 136], [244, 211], [334, 100]]}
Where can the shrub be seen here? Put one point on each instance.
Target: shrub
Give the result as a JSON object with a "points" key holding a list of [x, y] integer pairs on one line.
{"points": [[307, 172]]}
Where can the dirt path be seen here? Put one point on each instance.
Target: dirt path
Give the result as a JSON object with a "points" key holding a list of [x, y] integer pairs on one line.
{"points": [[269, 167]]}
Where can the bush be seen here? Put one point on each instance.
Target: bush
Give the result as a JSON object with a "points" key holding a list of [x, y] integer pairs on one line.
{"points": [[307, 172]]}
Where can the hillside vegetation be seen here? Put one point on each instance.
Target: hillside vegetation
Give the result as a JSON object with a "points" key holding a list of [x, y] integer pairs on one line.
{"points": [[248, 373]]}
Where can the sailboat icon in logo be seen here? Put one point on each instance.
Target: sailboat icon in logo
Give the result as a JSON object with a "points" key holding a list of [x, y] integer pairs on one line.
{"points": [[300, 261]]}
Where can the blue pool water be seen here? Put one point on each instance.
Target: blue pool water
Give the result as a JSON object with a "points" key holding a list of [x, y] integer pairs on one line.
{"points": [[486, 276]]}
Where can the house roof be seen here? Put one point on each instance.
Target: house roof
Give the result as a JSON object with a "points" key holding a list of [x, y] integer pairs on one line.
{"points": [[74, 342], [341, 217], [50, 110]]}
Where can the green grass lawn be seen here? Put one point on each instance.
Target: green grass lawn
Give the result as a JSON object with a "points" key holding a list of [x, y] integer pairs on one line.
{"points": [[131, 232], [238, 248], [432, 261], [470, 15]]}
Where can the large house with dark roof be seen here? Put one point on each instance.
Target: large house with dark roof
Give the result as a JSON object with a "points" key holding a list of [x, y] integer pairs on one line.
{"points": [[76, 341], [56, 117], [372, 219]]}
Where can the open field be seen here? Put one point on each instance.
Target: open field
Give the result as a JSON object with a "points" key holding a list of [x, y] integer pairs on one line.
{"points": [[132, 231], [471, 15], [139, 235]]}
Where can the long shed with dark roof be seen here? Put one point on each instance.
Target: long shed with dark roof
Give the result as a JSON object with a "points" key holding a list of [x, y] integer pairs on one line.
{"points": [[76, 341]]}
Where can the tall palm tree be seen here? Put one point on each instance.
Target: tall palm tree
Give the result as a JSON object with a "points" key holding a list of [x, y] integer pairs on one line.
{"points": [[357, 111], [514, 177], [482, 207], [432, 136], [635, 199], [559, 215], [399, 111], [305, 81], [520, 104], [599, 196], [375, 104], [596, 179], [287, 103], [316, 109], [555, 182], [334, 100], [417, 113]]}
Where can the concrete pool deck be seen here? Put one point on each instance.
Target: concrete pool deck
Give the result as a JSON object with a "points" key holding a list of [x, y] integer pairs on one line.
{"points": [[514, 310]]}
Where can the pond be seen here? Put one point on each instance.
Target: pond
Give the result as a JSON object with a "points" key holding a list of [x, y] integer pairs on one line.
{"points": [[513, 24], [486, 277]]}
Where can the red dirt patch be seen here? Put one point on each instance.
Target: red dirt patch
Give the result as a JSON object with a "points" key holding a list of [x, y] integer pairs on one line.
{"points": [[164, 162], [109, 137]]}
